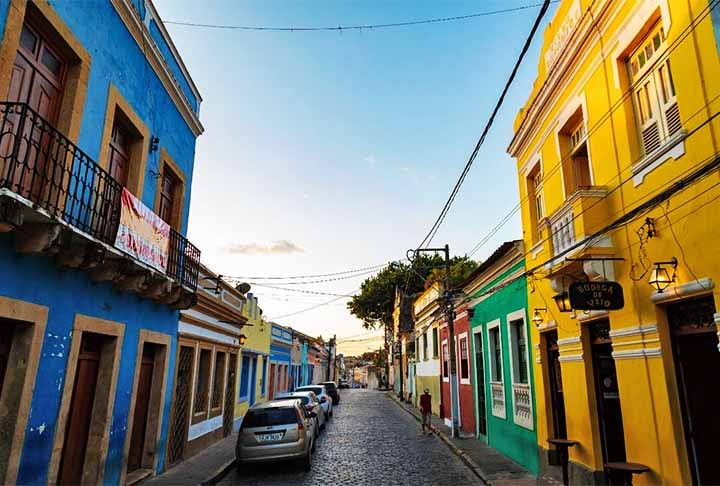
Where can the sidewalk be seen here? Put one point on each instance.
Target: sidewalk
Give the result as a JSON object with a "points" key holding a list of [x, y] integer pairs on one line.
{"points": [[206, 467], [487, 463]]}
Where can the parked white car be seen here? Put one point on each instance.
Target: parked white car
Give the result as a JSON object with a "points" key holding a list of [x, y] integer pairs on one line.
{"points": [[326, 402], [311, 403]]}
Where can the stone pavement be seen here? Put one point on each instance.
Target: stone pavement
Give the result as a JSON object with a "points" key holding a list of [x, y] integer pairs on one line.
{"points": [[487, 463], [202, 468], [369, 441]]}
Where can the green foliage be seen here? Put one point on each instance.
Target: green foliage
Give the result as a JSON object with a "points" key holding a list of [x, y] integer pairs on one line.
{"points": [[374, 304]]}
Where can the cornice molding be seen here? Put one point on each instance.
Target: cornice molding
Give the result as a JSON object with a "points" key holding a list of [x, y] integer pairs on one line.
{"points": [[141, 34]]}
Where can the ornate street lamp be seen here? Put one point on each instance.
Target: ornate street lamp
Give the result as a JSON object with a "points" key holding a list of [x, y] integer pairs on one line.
{"points": [[562, 300], [659, 276]]}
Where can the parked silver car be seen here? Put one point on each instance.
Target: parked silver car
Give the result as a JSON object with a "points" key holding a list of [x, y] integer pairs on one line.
{"points": [[326, 401], [311, 403], [278, 430]]}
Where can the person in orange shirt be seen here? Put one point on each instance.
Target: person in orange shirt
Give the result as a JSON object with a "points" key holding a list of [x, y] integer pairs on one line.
{"points": [[426, 409]]}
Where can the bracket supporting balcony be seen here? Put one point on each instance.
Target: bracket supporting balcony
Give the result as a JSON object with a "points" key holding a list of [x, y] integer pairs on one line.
{"points": [[33, 238], [11, 215]]}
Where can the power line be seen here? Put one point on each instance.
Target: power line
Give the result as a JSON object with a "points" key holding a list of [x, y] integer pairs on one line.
{"points": [[606, 116], [310, 308], [319, 275], [340, 28], [301, 290], [436, 225]]}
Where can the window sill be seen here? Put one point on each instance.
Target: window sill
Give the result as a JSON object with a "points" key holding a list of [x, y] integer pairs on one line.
{"points": [[672, 148], [464, 381]]}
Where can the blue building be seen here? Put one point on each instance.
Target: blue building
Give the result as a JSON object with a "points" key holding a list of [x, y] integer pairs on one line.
{"points": [[98, 122], [280, 349]]}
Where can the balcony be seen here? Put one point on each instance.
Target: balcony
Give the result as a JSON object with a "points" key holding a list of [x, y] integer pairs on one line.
{"points": [[58, 201], [583, 213]]}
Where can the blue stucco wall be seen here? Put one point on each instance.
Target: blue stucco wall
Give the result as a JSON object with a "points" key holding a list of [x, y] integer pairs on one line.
{"points": [[115, 58], [67, 293]]}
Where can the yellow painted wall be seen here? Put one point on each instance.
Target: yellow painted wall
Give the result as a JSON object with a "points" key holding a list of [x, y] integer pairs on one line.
{"points": [[433, 384], [258, 341], [597, 80]]}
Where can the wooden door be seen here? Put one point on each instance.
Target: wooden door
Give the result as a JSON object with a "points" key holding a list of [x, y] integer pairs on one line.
{"points": [[142, 404], [36, 79], [252, 379], [695, 345], [612, 437], [480, 385], [80, 411], [119, 163], [557, 398]]}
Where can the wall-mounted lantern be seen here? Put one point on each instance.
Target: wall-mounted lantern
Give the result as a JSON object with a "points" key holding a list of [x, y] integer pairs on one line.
{"points": [[537, 317], [660, 278], [562, 299], [243, 338]]}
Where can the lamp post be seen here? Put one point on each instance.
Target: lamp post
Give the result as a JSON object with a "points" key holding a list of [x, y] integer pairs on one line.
{"points": [[447, 301]]}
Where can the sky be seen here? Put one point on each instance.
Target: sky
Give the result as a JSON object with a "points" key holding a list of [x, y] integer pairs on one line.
{"points": [[327, 151]]}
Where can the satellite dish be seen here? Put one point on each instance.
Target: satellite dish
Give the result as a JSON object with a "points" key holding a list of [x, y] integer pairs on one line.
{"points": [[243, 288]]}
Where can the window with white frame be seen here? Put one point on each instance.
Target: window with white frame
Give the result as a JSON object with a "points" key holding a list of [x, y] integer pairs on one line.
{"points": [[464, 360], [656, 108], [521, 394], [425, 346], [496, 373], [497, 387]]}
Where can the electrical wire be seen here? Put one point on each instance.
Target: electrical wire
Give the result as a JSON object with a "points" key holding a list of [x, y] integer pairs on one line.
{"points": [[606, 116], [302, 291], [340, 28], [436, 225], [319, 275], [310, 308]]}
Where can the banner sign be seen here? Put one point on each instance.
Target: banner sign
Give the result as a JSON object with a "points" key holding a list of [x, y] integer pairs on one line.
{"points": [[596, 296], [142, 233]]}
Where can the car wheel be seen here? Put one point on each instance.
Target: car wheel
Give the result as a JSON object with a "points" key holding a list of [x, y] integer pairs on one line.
{"points": [[331, 412]]}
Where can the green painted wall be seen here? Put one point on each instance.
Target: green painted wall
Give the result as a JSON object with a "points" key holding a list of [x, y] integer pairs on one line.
{"points": [[515, 441]]}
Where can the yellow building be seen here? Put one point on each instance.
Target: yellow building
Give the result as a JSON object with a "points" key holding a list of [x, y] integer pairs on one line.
{"points": [[427, 357], [617, 156], [253, 362]]}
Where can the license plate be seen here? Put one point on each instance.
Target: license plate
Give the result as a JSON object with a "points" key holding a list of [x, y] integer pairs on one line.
{"points": [[270, 437]]}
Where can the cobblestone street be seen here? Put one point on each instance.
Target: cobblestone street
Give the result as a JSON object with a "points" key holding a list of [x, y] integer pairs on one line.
{"points": [[370, 440]]}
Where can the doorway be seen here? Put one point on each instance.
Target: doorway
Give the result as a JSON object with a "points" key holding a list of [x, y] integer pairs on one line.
{"points": [[81, 408], [253, 377], [229, 406], [142, 406], [480, 385], [612, 436], [37, 79], [695, 348], [557, 398], [271, 392], [181, 405]]}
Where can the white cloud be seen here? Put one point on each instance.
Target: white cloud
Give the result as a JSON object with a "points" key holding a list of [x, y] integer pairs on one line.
{"points": [[370, 159], [276, 247]]}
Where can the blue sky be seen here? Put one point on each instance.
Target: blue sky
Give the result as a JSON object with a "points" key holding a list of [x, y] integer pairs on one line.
{"points": [[346, 145]]}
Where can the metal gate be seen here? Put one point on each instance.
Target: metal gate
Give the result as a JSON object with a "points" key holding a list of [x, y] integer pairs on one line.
{"points": [[229, 410], [181, 407]]}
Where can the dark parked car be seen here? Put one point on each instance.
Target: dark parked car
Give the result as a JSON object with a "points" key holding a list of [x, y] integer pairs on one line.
{"points": [[332, 390], [343, 384]]}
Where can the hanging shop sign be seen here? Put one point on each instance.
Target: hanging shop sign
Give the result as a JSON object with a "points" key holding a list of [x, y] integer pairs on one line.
{"points": [[596, 296], [142, 233]]}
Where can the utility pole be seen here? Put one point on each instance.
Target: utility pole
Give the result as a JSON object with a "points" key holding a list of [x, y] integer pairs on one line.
{"points": [[449, 317]]}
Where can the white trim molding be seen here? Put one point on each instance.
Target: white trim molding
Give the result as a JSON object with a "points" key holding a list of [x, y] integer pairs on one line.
{"points": [[634, 330], [637, 353], [688, 289], [570, 357], [568, 340], [672, 148]]}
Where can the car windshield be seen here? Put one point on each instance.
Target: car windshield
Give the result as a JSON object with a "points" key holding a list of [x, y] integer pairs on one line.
{"points": [[315, 389], [268, 417], [303, 398], [329, 386]]}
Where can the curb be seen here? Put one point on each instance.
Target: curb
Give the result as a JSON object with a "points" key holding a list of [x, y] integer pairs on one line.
{"points": [[476, 470], [219, 473]]}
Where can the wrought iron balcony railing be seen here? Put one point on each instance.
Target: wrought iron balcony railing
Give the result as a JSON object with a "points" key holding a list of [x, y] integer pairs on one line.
{"points": [[41, 165]]}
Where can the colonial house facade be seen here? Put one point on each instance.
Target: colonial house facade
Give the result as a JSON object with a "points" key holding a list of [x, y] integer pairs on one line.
{"points": [[617, 159], [96, 156], [427, 347]]}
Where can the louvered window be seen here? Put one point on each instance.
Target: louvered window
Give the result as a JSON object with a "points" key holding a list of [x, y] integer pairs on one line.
{"points": [[654, 98]]}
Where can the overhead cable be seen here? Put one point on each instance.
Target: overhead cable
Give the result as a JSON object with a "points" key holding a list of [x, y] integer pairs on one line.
{"points": [[340, 28]]}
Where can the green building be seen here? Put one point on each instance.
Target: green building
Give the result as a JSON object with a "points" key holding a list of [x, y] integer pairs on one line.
{"points": [[496, 303]]}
